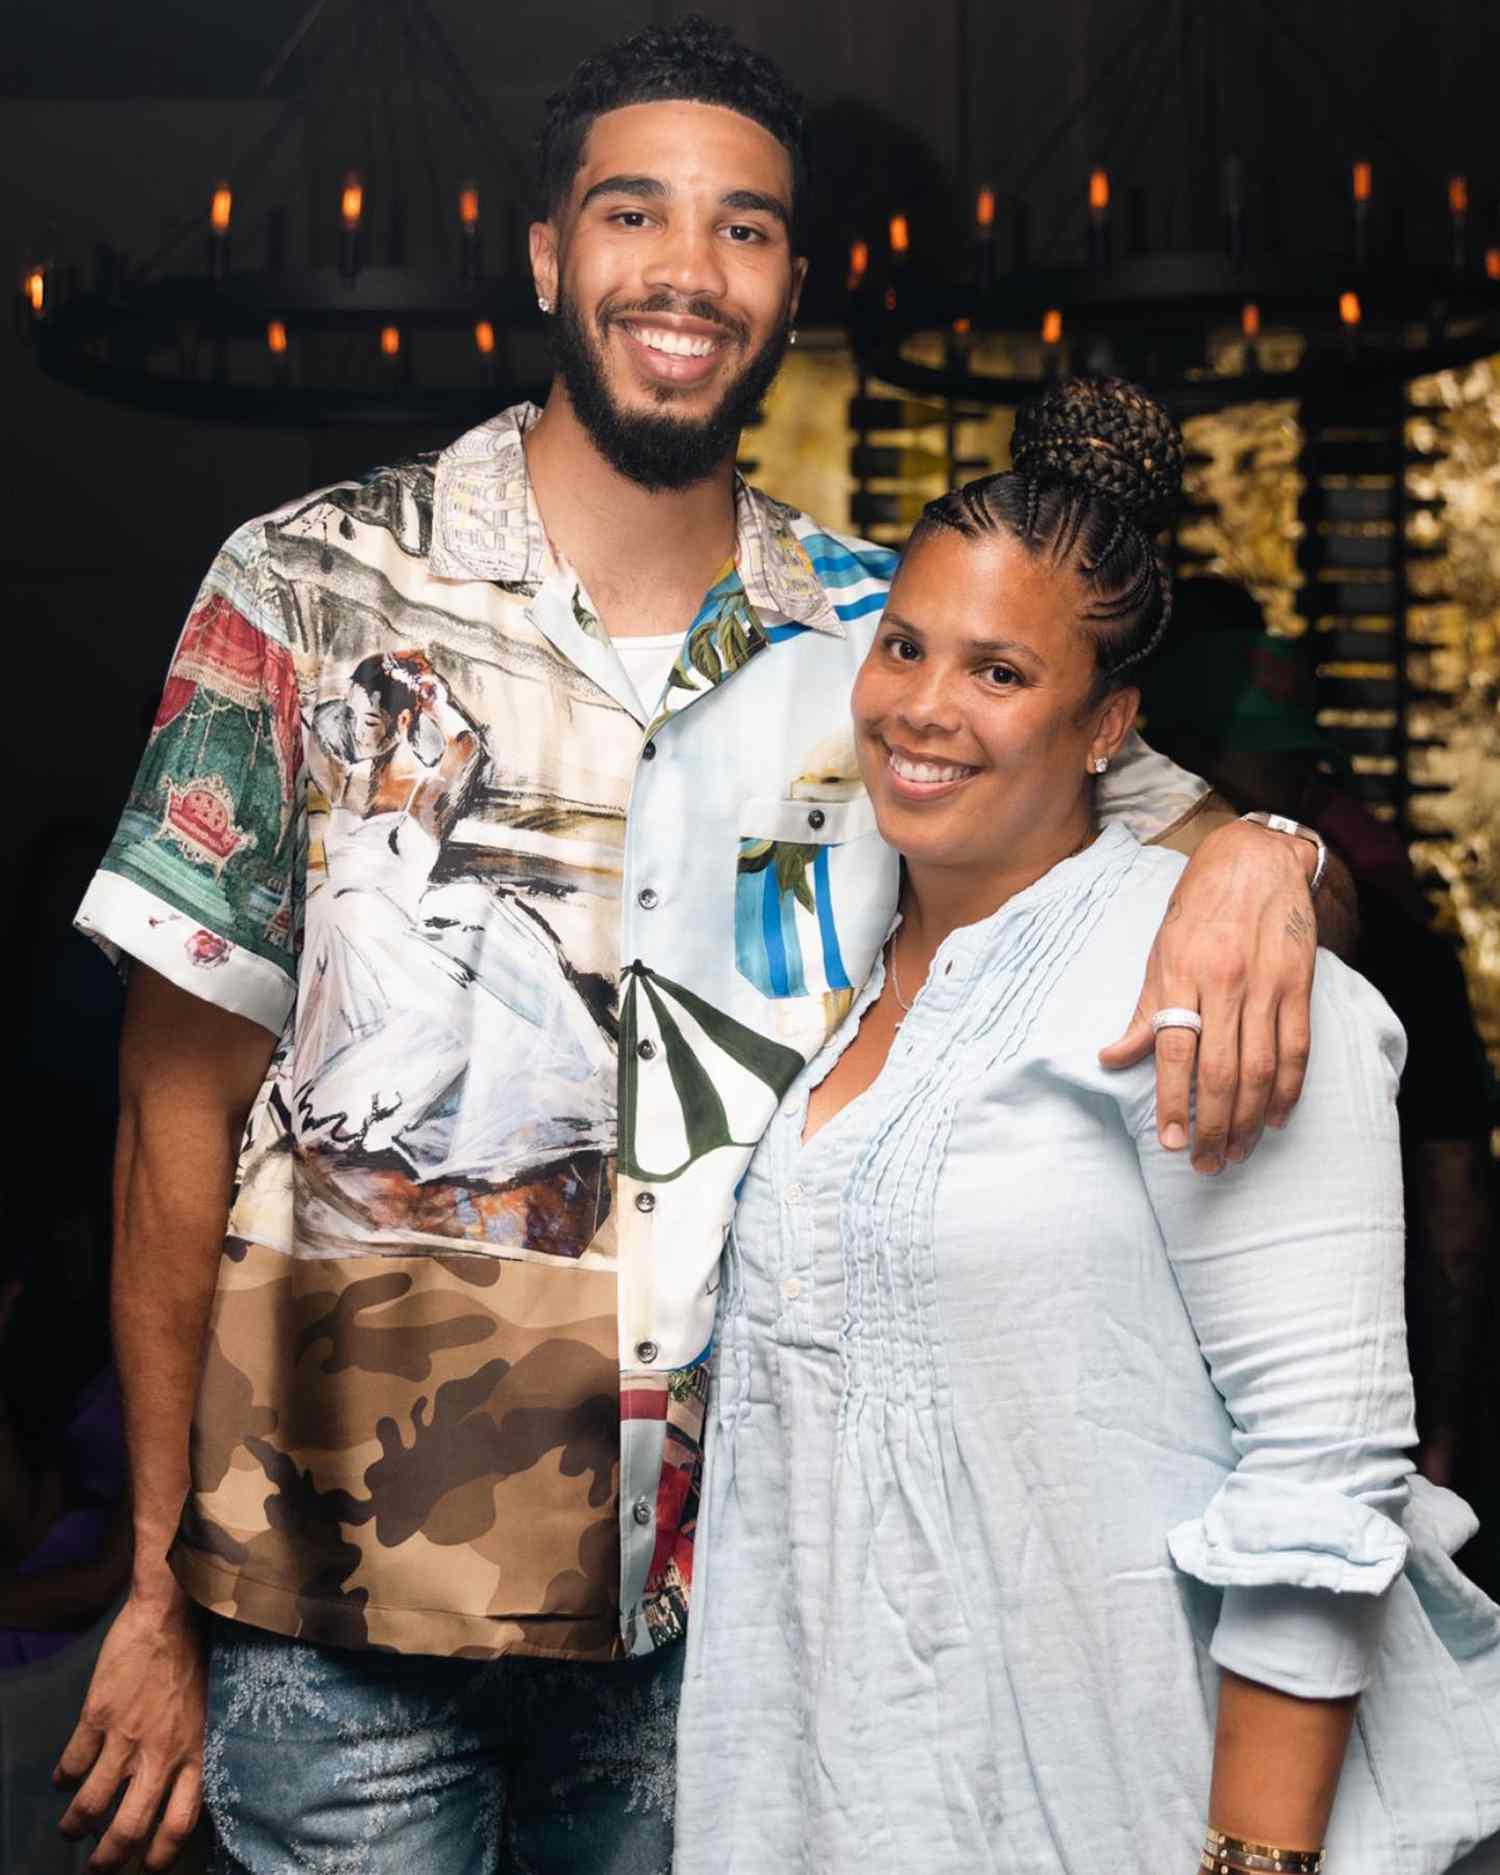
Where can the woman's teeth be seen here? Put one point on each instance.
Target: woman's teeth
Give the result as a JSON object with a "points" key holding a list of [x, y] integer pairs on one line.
{"points": [[927, 771], [678, 344]]}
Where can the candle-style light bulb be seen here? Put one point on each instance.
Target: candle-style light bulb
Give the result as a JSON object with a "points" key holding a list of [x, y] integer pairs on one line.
{"points": [[220, 208], [276, 339], [352, 201]]}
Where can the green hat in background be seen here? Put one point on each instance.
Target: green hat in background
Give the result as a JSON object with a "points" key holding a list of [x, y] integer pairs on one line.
{"points": [[1240, 689]]}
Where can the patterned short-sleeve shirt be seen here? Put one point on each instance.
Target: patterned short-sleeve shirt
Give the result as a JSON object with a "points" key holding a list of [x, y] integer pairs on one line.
{"points": [[540, 965]]}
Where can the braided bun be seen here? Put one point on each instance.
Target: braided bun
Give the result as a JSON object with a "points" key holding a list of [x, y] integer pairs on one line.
{"points": [[1108, 438]]}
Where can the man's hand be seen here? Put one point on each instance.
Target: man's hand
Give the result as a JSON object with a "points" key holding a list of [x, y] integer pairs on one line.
{"points": [[141, 1727], [1238, 944]]}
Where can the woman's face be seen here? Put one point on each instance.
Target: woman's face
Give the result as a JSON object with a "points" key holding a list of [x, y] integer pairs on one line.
{"points": [[371, 728], [971, 714]]}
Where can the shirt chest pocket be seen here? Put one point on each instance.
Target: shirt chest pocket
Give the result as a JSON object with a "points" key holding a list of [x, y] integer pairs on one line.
{"points": [[813, 895]]}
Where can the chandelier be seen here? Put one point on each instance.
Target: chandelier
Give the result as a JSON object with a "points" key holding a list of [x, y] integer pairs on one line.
{"points": [[362, 263]]}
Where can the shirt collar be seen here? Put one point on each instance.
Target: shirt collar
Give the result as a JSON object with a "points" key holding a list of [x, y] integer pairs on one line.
{"points": [[486, 525]]}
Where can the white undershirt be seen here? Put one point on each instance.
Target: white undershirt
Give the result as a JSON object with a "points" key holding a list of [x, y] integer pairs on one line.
{"points": [[647, 661]]}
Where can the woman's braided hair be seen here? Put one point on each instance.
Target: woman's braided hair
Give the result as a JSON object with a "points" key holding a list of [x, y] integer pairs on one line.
{"points": [[1097, 472]]}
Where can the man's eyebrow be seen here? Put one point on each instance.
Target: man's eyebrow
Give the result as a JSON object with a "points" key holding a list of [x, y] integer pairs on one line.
{"points": [[752, 201], [985, 647], [645, 187]]}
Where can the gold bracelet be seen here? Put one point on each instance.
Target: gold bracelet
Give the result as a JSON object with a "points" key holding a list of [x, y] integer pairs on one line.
{"points": [[1232, 1855], [1227, 1862]]}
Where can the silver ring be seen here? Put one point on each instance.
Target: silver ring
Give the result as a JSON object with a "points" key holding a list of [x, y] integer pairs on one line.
{"points": [[1177, 1019]]}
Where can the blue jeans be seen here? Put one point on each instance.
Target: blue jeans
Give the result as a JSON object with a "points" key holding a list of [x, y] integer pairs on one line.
{"points": [[354, 1763]]}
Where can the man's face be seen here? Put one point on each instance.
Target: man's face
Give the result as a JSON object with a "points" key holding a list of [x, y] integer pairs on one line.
{"points": [[673, 284]]}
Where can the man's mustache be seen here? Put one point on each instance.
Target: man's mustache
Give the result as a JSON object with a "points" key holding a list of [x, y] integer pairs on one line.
{"points": [[686, 309]]}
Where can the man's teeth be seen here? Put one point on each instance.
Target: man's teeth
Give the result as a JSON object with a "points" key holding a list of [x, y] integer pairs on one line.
{"points": [[927, 771], [679, 344]]}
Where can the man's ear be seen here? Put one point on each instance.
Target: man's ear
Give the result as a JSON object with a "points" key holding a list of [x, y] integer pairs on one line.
{"points": [[799, 278], [542, 237]]}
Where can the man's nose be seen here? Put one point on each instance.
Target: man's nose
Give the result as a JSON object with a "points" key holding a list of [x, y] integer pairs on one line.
{"points": [[688, 260]]}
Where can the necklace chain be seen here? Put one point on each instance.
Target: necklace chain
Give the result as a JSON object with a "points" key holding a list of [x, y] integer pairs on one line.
{"points": [[891, 945]]}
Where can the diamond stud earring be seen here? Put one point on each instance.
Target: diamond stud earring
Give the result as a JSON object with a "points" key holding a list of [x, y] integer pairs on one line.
{"points": [[544, 303], [1099, 764]]}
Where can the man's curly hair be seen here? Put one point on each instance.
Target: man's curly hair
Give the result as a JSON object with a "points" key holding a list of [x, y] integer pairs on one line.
{"points": [[692, 60]]}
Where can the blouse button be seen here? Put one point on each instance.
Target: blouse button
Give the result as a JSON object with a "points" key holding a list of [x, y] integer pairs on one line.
{"points": [[645, 898], [648, 754], [791, 1288], [645, 1049], [645, 1201], [792, 1194], [646, 1352], [641, 1511], [816, 819]]}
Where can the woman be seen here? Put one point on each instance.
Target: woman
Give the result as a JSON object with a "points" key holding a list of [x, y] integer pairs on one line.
{"points": [[1053, 1508], [419, 998]]}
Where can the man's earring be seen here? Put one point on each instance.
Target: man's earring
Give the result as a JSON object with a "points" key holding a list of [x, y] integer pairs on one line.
{"points": [[544, 302], [791, 337], [1099, 764]]}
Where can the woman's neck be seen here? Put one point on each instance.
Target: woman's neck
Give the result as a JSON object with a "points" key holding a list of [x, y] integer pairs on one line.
{"points": [[937, 900]]}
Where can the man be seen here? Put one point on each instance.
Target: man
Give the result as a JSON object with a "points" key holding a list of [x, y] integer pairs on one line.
{"points": [[452, 1346]]}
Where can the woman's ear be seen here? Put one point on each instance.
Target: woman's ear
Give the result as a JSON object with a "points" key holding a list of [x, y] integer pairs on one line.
{"points": [[1113, 724]]}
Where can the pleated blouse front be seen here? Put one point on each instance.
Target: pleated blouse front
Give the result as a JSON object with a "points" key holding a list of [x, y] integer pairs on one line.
{"points": [[977, 1527]]}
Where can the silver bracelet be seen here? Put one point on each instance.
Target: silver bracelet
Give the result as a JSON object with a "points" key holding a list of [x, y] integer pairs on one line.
{"points": [[1278, 823]]}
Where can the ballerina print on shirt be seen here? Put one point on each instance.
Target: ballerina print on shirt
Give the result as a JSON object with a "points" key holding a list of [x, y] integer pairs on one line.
{"points": [[439, 1031]]}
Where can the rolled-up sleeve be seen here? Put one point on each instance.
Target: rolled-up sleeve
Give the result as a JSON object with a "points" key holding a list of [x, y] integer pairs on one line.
{"points": [[1291, 1268]]}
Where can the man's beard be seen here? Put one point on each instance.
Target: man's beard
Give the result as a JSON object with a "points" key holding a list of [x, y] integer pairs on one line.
{"points": [[656, 450]]}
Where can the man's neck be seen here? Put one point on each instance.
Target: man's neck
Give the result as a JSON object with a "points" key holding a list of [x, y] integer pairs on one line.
{"points": [[645, 558]]}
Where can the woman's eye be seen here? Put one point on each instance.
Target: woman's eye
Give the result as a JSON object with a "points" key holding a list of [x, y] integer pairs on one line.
{"points": [[1002, 676], [902, 649]]}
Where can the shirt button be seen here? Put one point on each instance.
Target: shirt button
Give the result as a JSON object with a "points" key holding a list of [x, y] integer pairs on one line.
{"points": [[645, 1201], [816, 818], [646, 1352], [791, 1288], [645, 898], [645, 1049], [792, 1194], [641, 1511], [648, 754]]}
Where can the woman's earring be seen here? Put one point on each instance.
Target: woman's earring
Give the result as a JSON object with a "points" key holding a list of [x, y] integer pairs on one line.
{"points": [[791, 337], [544, 302], [1099, 764]]}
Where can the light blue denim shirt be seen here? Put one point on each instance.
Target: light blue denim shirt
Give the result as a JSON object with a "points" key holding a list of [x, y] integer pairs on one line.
{"points": [[1021, 1430]]}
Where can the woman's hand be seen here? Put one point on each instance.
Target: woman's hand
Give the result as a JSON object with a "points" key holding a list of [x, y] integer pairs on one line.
{"points": [[1237, 945]]}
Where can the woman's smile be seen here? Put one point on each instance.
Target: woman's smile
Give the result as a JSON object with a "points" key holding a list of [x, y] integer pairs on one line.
{"points": [[915, 777]]}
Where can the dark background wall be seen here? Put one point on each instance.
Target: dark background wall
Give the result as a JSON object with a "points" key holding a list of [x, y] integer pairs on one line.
{"points": [[115, 120]]}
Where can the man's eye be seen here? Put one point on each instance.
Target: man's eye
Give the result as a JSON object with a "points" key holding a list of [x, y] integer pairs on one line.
{"points": [[630, 218], [1002, 676], [742, 234]]}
